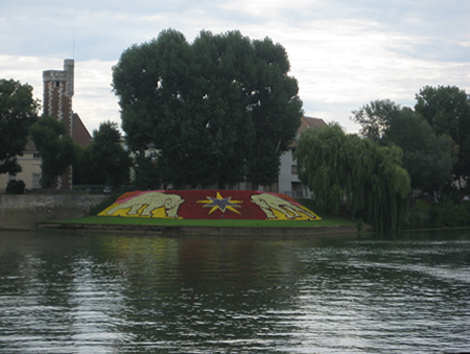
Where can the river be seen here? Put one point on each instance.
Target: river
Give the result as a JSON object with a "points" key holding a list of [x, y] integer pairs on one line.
{"points": [[93, 293]]}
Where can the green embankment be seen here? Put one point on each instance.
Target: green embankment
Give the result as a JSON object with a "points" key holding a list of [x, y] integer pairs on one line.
{"points": [[326, 220], [113, 220]]}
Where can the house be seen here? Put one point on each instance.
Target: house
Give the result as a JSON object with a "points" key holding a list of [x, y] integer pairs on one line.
{"points": [[289, 182], [30, 163], [58, 92]]}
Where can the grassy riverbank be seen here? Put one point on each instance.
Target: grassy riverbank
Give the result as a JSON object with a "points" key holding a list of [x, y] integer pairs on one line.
{"points": [[326, 220], [113, 220]]}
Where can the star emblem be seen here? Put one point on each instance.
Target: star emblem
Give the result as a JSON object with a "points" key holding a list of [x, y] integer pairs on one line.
{"points": [[221, 203]]}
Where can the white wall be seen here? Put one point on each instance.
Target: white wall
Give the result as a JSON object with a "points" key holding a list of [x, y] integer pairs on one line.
{"points": [[286, 177], [31, 166]]}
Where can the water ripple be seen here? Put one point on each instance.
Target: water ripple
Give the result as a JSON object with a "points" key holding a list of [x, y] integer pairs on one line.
{"points": [[117, 294]]}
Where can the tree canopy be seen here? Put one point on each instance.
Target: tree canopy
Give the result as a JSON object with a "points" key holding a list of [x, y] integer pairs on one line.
{"points": [[427, 157], [109, 156], [18, 111], [219, 110], [336, 166], [56, 149], [105, 161], [447, 110], [375, 118]]}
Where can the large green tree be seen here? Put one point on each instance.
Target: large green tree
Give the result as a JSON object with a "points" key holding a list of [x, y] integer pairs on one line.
{"points": [[18, 111], [219, 110], [375, 118], [335, 165], [105, 161], [427, 157], [56, 149], [447, 110], [276, 110], [108, 154], [86, 171]]}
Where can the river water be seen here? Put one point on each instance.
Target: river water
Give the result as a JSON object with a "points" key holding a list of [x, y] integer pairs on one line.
{"points": [[89, 293]]}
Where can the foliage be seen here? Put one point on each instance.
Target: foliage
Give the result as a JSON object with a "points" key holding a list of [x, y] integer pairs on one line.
{"points": [[276, 111], [376, 118], [86, 170], [15, 187], [107, 153], [337, 166], [18, 111], [146, 173], [419, 216], [445, 214], [428, 158], [104, 204], [447, 110], [56, 149], [218, 110], [105, 161], [455, 215]]}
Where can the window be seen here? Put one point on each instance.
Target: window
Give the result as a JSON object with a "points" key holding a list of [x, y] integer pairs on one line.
{"points": [[294, 169], [36, 180]]}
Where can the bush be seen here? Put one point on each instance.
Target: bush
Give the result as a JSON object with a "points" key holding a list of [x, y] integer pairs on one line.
{"points": [[455, 215], [104, 204], [15, 187], [449, 214], [419, 216]]}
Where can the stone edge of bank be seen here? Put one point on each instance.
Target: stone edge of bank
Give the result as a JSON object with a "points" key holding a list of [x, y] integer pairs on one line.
{"points": [[320, 231], [41, 211]]}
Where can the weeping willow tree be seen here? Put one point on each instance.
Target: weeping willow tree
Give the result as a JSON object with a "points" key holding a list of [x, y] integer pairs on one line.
{"points": [[338, 167]]}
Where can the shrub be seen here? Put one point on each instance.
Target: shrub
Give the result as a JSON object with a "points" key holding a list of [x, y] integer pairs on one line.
{"points": [[104, 204], [455, 214], [419, 216], [448, 213], [15, 187]]}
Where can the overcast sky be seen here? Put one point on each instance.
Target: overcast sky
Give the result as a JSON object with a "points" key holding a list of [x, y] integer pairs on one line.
{"points": [[343, 53]]}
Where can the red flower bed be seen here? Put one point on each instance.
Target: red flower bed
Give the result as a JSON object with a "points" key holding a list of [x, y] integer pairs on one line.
{"points": [[209, 204]]}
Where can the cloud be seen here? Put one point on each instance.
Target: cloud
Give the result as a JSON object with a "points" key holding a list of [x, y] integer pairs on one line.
{"points": [[436, 50], [342, 53], [94, 100]]}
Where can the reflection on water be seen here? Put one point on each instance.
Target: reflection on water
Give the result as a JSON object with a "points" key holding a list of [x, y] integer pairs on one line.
{"points": [[77, 293]]}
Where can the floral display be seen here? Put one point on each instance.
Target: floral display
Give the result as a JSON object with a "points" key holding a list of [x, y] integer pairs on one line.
{"points": [[209, 204]]}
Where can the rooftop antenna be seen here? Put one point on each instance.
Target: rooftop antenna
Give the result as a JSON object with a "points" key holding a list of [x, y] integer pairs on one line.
{"points": [[73, 44]]}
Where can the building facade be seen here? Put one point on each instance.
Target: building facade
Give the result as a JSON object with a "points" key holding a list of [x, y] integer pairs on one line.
{"points": [[30, 174], [289, 182]]}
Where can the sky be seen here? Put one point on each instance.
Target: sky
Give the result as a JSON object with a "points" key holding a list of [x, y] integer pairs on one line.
{"points": [[343, 53]]}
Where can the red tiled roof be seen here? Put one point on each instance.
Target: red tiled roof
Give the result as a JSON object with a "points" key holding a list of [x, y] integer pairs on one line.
{"points": [[309, 122], [80, 132]]}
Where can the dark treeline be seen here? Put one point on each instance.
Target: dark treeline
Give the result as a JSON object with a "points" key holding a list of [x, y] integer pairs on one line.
{"points": [[401, 157], [217, 111]]}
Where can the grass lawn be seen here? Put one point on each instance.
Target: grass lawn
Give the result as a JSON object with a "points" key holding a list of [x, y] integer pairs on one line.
{"points": [[113, 220]]}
